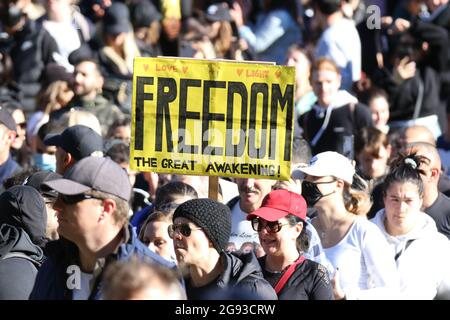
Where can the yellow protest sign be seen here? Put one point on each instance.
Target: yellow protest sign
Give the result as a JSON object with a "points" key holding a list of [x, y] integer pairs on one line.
{"points": [[216, 118]]}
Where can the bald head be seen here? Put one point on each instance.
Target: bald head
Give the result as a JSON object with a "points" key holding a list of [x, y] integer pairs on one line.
{"points": [[418, 134], [426, 150]]}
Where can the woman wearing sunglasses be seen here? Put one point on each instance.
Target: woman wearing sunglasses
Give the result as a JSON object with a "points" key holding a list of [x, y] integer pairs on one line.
{"points": [[280, 223], [200, 231], [357, 249]]}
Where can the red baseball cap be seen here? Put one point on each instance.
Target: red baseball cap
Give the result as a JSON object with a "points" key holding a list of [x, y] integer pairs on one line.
{"points": [[278, 204]]}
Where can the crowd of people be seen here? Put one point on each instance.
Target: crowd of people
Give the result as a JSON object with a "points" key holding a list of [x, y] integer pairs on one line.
{"points": [[369, 187]]}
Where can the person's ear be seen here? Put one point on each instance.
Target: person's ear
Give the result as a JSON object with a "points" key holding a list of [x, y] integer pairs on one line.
{"points": [[69, 160], [298, 228], [109, 207], [340, 183], [435, 173], [11, 136]]}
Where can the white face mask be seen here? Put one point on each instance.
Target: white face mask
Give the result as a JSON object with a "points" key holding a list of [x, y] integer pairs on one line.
{"points": [[45, 161]]}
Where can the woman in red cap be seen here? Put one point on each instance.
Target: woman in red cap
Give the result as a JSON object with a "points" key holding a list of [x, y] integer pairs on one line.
{"points": [[280, 223]]}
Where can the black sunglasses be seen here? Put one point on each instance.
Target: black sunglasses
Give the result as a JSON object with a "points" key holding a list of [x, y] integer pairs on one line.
{"points": [[270, 226], [22, 125], [183, 228], [72, 199]]}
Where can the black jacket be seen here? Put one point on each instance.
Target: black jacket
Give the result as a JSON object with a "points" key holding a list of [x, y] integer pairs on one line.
{"points": [[20, 259], [344, 121], [309, 281], [33, 48], [242, 279], [403, 97]]}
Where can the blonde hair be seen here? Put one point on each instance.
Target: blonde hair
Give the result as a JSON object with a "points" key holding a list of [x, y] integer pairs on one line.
{"points": [[223, 41], [86, 118], [154, 217], [126, 279], [47, 99], [356, 196]]}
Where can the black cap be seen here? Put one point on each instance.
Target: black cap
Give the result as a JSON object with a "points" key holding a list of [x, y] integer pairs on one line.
{"points": [[37, 179], [143, 14], [117, 19], [218, 12], [213, 217], [94, 173], [80, 141], [7, 120], [83, 53], [54, 72]]}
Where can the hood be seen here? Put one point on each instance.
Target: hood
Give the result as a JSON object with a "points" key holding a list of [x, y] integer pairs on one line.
{"points": [[342, 98], [424, 226], [23, 207], [16, 240], [239, 267]]}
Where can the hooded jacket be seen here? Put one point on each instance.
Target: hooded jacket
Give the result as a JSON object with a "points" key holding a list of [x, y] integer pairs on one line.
{"points": [[325, 128], [242, 278], [22, 231], [419, 278]]}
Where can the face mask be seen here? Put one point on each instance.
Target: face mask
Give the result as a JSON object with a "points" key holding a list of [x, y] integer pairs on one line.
{"points": [[45, 161], [311, 193]]}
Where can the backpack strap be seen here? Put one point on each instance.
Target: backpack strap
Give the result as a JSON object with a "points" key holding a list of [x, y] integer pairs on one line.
{"points": [[285, 277]]}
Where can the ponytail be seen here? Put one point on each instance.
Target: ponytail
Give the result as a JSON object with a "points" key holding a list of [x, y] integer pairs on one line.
{"points": [[356, 196]]}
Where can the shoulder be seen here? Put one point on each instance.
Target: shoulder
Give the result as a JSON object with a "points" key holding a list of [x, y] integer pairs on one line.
{"points": [[247, 274], [233, 202], [365, 228]]}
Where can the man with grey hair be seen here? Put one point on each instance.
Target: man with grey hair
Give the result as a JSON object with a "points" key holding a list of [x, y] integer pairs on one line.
{"points": [[92, 211]]}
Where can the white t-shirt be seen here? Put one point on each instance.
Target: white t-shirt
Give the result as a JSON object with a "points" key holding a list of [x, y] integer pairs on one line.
{"points": [[241, 228], [85, 289], [365, 263]]}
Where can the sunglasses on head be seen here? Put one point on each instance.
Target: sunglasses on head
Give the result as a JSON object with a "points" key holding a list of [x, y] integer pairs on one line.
{"points": [[270, 226], [72, 199], [183, 228]]}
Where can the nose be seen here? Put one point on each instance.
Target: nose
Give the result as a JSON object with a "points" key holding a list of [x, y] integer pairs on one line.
{"points": [[152, 246], [249, 183], [78, 77], [403, 206]]}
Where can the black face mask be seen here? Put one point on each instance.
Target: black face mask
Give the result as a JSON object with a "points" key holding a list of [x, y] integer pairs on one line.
{"points": [[311, 193]]}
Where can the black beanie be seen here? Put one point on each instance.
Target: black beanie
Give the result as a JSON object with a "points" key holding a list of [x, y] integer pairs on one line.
{"points": [[213, 217]]}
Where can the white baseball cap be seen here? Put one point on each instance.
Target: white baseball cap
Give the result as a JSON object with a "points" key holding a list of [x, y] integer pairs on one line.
{"points": [[330, 163]]}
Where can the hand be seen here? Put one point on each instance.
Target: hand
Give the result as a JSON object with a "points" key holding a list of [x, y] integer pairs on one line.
{"points": [[237, 15], [406, 69], [386, 21], [400, 25], [338, 293]]}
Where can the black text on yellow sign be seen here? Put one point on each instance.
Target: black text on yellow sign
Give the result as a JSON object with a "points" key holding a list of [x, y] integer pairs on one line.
{"points": [[212, 118]]}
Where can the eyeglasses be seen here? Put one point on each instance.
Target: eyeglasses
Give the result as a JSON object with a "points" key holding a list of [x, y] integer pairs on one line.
{"points": [[270, 226], [183, 228], [72, 199]]}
